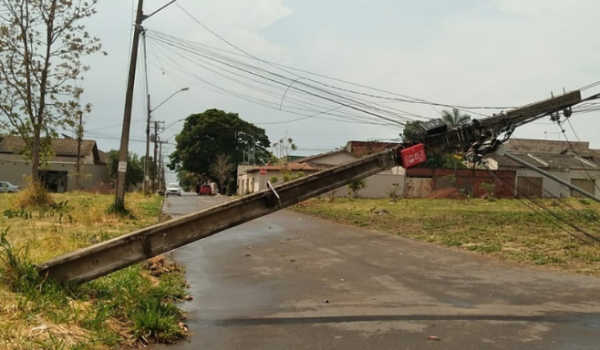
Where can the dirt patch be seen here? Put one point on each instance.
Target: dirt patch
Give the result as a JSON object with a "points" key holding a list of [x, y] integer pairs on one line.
{"points": [[446, 193]]}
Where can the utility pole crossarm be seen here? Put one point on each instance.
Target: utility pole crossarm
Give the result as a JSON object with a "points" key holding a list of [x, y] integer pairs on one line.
{"points": [[463, 137]]}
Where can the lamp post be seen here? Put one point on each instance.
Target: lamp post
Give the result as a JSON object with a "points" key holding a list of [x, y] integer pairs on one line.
{"points": [[149, 114]]}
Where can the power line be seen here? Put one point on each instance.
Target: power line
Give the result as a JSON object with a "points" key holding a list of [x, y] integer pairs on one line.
{"points": [[278, 76]]}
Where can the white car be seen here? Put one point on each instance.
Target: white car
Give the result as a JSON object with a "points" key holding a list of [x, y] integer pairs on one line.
{"points": [[173, 189], [7, 187]]}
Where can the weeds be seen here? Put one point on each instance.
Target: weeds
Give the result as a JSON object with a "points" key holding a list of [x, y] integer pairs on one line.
{"points": [[130, 306], [121, 211], [34, 195], [505, 229]]}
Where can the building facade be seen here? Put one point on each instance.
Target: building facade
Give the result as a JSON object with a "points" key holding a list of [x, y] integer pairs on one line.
{"points": [[60, 172]]}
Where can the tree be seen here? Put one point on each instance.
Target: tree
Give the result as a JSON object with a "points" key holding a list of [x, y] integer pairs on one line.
{"points": [[413, 131], [221, 169], [283, 148], [188, 180], [356, 186], [135, 168], [213, 132], [41, 46], [455, 118]]}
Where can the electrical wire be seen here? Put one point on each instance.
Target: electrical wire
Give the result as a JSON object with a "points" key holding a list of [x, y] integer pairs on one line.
{"points": [[275, 79], [575, 152], [250, 99], [556, 218]]}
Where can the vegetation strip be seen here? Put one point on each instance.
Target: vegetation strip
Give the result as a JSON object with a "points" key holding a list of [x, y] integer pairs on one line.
{"points": [[504, 229], [129, 308]]}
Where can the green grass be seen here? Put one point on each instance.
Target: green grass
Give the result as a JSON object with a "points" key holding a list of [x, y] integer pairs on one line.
{"points": [[505, 229], [127, 308]]}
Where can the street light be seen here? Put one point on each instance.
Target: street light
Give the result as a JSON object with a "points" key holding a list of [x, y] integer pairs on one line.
{"points": [[150, 110]]}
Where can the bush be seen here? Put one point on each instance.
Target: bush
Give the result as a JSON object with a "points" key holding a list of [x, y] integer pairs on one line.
{"points": [[356, 186], [34, 195]]}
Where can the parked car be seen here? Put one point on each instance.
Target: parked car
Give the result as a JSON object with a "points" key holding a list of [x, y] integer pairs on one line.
{"points": [[173, 189], [7, 187], [205, 190]]}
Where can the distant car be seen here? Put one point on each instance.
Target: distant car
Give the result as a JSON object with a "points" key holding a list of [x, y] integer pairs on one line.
{"points": [[205, 190], [173, 189], [7, 187]]}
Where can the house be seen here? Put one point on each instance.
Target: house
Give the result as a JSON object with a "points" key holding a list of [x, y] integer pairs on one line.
{"points": [[572, 162], [59, 174], [378, 186], [253, 178]]}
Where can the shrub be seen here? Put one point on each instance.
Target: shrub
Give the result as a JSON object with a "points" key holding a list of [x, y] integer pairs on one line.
{"points": [[34, 195], [356, 186]]}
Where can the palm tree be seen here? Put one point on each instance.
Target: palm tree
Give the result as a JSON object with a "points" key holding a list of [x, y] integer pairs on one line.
{"points": [[455, 118]]}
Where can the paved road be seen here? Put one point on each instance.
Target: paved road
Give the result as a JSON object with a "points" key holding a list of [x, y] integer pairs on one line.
{"points": [[288, 281]]}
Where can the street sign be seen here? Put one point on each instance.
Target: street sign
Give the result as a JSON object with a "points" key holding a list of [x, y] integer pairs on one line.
{"points": [[263, 170]]}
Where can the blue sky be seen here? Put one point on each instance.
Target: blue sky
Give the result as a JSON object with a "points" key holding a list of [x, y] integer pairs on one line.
{"points": [[467, 52]]}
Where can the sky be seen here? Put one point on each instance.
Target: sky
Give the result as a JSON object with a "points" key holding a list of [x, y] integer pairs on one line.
{"points": [[462, 52]]}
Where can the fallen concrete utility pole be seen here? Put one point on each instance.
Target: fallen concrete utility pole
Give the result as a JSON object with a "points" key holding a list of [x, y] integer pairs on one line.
{"points": [[109, 256], [503, 152], [115, 254]]}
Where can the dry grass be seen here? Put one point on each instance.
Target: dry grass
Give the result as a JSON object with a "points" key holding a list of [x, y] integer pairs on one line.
{"points": [[75, 221], [33, 195], [102, 314], [505, 229]]}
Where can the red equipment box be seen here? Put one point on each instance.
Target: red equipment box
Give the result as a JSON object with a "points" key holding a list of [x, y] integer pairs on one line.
{"points": [[412, 156]]}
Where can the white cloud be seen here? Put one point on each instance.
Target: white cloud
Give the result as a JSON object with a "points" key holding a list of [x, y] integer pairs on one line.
{"points": [[506, 53]]}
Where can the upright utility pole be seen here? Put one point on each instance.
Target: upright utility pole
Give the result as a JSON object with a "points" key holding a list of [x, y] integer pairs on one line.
{"points": [[146, 159], [161, 170], [155, 179], [148, 116], [156, 163], [124, 149], [79, 141]]}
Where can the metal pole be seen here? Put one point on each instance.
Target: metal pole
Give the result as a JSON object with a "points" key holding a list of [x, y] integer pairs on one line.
{"points": [[124, 149], [502, 152]]}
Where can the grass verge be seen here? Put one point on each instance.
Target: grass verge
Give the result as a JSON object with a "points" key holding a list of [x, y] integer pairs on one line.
{"points": [[128, 308], [505, 229]]}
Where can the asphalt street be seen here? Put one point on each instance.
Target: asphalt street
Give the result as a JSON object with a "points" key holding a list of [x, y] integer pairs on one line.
{"points": [[289, 281]]}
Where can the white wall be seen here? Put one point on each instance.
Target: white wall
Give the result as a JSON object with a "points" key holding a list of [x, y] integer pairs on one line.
{"points": [[551, 188]]}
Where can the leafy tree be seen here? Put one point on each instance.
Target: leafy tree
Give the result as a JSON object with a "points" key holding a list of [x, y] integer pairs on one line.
{"points": [[221, 169], [188, 180], [356, 186], [213, 132], [41, 46], [455, 118], [135, 168], [412, 131]]}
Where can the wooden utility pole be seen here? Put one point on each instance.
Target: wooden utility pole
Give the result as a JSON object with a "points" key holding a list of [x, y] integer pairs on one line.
{"points": [[124, 149]]}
